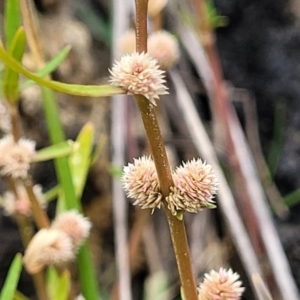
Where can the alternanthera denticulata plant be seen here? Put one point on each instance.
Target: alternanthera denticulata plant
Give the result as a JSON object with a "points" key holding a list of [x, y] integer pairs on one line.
{"points": [[150, 181]]}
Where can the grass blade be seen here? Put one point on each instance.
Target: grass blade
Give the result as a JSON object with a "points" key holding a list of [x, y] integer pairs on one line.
{"points": [[11, 78], [12, 279], [12, 20], [50, 67], [72, 89]]}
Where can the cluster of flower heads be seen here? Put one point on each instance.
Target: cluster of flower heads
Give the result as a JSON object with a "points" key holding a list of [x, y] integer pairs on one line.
{"points": [[161, 45], [20, 203], [15, 157], [58, 244], [195, 185], [222, 285]]}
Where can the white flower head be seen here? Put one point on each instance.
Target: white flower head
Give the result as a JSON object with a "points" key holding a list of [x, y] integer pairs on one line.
{"points": [[156, 6], [141, 183], [195, 185], [76, 226], [21, 204], [222, 285], [48, 247], [139, 74], [127, 42], [15, 157], [164, 47]]}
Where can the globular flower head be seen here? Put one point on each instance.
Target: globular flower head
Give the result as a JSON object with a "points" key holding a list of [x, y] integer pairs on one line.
{"points": [[21, 204], [141, 183], [15, 157], [48, 247], [222, 285], [163, 46], [127, 42], [139, 74], [156, 6], [195, 185], [76, 226]]}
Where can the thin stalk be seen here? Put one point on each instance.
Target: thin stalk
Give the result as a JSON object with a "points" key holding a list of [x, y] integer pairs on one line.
{"points": [[15, 126], [177, 228], [40, 217]]}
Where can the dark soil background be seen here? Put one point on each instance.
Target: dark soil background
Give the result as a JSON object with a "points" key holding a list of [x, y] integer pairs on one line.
{"points": [[259, 50]]}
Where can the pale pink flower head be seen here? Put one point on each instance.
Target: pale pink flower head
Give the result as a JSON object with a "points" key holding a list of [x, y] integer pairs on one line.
{"points": [[156, 6], [21, 204], [222, 285], [139, 74], [76, 226], [163, 46], [195, 185], [48, 247], [127, 42], [15, 157], [141, 183]]}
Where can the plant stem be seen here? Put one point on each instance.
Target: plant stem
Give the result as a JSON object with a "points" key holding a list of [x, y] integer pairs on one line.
{"points": [[159, 155], [40, 217], [15, 128], [177, 228]]}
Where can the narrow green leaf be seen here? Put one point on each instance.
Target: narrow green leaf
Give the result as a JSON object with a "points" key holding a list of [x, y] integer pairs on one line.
{"points": [[49, 68], [11, 78], [12, 279], [99, 148], [12, 20], [52, 193], [19, 296], [80, 160], [58, 284], [55, 151], [115, 171], [157, 287], [72, 89], [87, 274], [292, 198]]}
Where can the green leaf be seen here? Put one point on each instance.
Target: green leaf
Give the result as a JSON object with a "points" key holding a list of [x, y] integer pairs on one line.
{"points": [[50, 66], [58, 284], [115, 171], [179, 215], [157, 287], [80, 160], [87, 274], [99, 148], [12, 279], [19, 296], [11, 78], [72, 89], [52, 193], [12, 20], [292, 198], [55, 151]]}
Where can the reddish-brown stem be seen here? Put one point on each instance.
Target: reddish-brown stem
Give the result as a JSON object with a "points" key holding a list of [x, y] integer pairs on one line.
{"points": [[177, 228], [40, 217], [14, 115]]}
